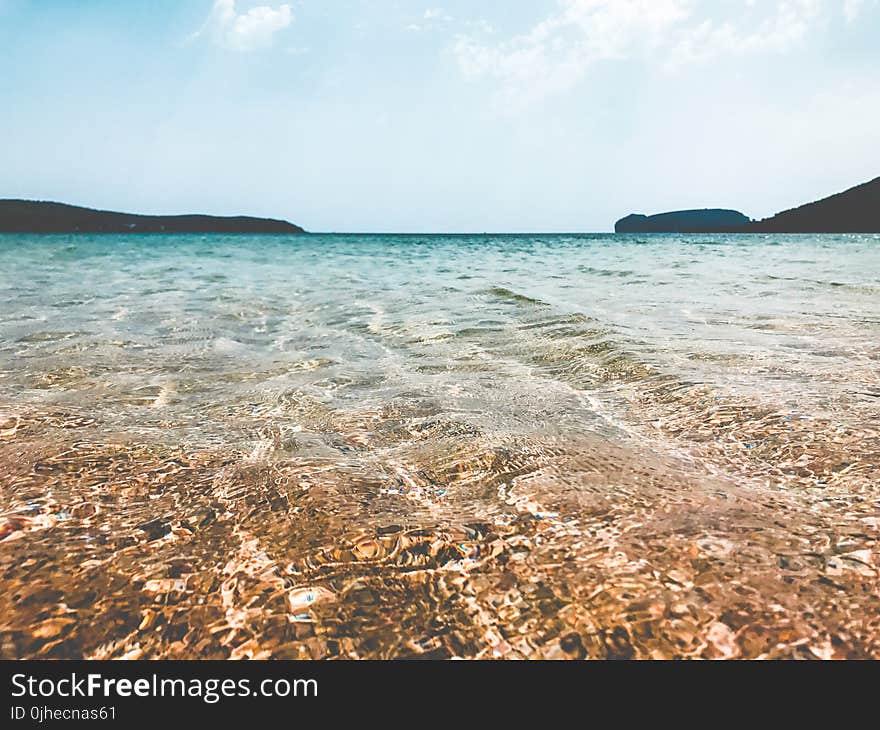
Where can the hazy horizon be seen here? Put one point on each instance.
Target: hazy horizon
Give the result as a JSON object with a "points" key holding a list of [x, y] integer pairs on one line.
{"points": [[382, 116]]}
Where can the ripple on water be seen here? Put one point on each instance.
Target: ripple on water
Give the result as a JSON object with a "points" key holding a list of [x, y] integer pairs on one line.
{"points": [[449, 447]]}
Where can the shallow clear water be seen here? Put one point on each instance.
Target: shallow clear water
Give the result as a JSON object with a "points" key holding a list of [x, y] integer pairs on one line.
{"points": [[432, 417]]}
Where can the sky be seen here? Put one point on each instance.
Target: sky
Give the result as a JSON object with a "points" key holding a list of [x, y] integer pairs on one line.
{"points": [[459, 116]]}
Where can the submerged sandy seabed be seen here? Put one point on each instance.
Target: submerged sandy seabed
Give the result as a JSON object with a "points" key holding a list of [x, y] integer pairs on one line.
{"points": [[739, 533]]}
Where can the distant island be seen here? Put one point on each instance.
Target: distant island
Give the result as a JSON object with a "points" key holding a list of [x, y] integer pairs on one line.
{"points": [[856, 210], [33, 216], [683, 221]]}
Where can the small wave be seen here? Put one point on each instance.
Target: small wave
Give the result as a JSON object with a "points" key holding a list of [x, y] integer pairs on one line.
{"points": [[622, 273], [502, 293]]}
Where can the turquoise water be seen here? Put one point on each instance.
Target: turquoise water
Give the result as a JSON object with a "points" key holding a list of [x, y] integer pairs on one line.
{"points": [[670, 417], [470, 320]]}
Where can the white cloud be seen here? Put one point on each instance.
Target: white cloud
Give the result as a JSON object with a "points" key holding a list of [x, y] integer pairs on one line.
{"points": [[247, 30], [431, 19], [787, 25], [556, 53], [852, 9]]}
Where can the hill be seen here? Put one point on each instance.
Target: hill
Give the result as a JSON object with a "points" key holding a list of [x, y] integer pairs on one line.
{"points": [[682, 221], [856, 210], [32, 216]]}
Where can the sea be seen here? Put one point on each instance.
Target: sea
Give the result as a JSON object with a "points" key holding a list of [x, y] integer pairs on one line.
{"points": [[481, 446]]}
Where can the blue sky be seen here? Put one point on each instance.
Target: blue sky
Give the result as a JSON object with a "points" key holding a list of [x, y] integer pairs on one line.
{"points": [[450, 115]]}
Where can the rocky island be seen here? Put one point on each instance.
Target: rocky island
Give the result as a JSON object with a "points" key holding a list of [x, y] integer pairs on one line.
{"points": [[32, 216], [856, 210], [683, 221]]}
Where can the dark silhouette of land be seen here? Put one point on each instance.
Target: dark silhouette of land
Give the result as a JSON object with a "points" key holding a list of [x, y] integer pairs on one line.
{"points": [[682, 221], [856, 210], [32, 216]]}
